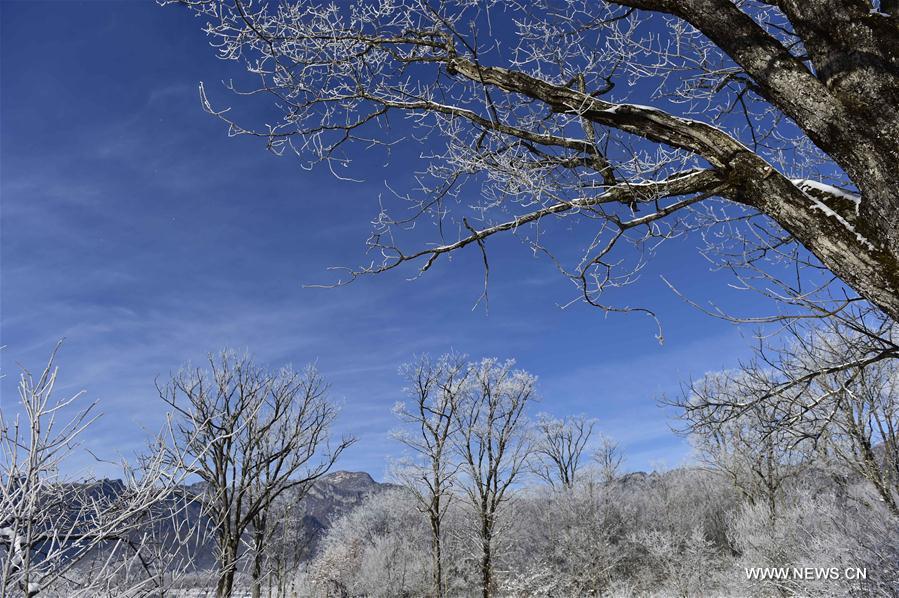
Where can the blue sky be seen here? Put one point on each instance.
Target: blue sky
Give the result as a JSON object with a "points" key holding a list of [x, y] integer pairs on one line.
{"points": [[136, 229]]}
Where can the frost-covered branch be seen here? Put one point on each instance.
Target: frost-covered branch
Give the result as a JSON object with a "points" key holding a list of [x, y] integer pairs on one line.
{"points": [[523, 110]]}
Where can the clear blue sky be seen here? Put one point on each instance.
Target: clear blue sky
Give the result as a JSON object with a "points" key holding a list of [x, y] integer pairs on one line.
{"points": [[133, 227]]}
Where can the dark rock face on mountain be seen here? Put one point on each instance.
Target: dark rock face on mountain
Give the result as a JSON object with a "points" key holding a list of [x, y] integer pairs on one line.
{"points": [[338, 493]]}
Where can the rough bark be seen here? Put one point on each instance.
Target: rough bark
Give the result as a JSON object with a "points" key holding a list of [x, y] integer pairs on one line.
{"points": [[227, 567], [486, 557], [259, 534], [849, 107], [436, 552]]}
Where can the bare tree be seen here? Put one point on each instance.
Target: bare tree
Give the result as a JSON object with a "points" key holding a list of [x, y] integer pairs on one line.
{"points": [[494, 444], [832, 386], [844, 378], [250, 435], [774, 122], [88, 535], [559, 446], [864, 435], [756, 454], [435, 390], [288, 546], [829, 386], [609, 458]]}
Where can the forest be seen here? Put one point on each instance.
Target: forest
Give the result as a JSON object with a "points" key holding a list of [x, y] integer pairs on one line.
{"points": [[491, 497]]}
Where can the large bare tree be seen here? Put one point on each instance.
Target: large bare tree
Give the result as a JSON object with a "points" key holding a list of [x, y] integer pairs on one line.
{"points": [[250, 435], [775, 123]]}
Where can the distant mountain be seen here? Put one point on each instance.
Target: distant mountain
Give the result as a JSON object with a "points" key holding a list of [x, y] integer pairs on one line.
{"points": [[330, 497], [338, 493]]}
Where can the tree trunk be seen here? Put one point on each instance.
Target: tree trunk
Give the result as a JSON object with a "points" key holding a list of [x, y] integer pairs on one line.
{"points": [[227, 566], [258, 556], [437, 557], [849, 108], [486, 559]]}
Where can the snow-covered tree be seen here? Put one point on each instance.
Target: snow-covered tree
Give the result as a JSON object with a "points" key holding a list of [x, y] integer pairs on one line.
{"points": [[559, 447], [250, 435], [436, 390], [832, 386], [608, 457], [63, 535], [493, 443], [378, 549], [751, 450]]}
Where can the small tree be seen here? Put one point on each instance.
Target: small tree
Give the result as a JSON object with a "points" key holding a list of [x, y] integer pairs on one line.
{"points": [[559, 446], [436, 390], [494, 445], [251, 435], [609, 458], [288, 545]]}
